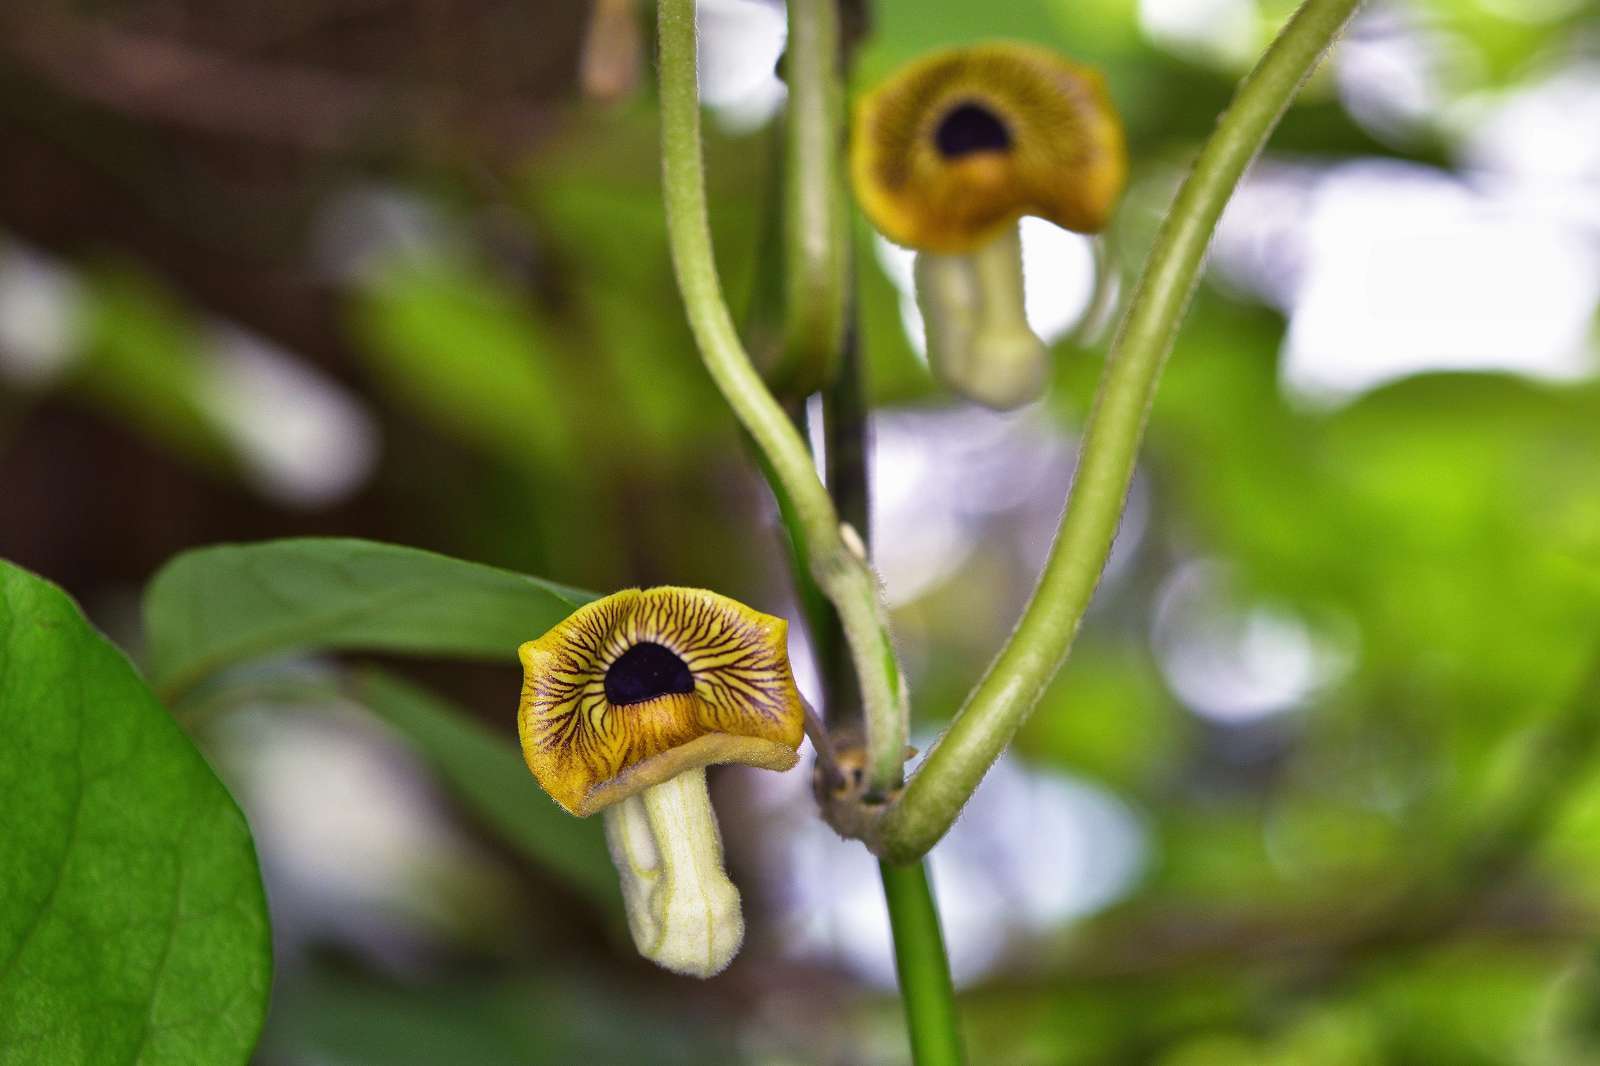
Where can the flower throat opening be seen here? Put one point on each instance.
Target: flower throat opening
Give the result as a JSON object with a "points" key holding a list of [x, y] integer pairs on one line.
{"points": [[645, 671], [970, 128]]}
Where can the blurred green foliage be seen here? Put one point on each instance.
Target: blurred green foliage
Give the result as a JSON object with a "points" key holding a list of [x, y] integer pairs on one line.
{"points": [[352, 1019]]}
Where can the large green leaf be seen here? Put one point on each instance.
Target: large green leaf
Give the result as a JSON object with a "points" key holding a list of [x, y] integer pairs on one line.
{"points": [[132, 922], [489, 776], [216, 607]]}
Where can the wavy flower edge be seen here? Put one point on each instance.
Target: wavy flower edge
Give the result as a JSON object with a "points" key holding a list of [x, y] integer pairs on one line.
{"points": [[590, 748], [959, 144]]}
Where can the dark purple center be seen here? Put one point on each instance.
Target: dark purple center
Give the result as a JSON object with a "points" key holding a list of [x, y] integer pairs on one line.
{"points": [[970, 128], [645, 671]]}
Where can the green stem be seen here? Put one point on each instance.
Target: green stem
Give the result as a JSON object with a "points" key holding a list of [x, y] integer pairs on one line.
{"points": [[844, 433], [919, 950], [1016, 679], [814, 216], [840, 571], [839, 687], [815, 318], [920, 961], [822, 622]]}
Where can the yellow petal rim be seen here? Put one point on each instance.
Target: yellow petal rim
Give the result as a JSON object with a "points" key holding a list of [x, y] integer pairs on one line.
{"points": [[589, 753], [1066, 161]]}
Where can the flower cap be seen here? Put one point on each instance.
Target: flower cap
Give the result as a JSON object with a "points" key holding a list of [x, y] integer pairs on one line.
{"points": [[963, 142], [637, 687]]}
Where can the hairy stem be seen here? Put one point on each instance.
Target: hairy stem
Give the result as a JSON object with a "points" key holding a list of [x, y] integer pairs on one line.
{"points": [[839, 569], [1016, 679]]}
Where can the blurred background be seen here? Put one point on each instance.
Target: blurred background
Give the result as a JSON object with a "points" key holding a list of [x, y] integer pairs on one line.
{"points": [[1319, 784]]}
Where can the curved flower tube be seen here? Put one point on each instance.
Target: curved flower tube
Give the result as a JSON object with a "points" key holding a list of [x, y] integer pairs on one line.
{"points": [[979, 340], [946, 157], [623, 706]]}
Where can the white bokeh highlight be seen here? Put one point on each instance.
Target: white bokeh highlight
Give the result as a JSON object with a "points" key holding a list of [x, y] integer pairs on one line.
{"points": [[1222, 32], [1390, 269], [368, 229], [1398, 72], [1058, 280], [1231, 662], [1033, 852], [303, 439], [42, 309], [1536, 145], [355, 845], [740, 42], [1410, 269], [949, 482]]}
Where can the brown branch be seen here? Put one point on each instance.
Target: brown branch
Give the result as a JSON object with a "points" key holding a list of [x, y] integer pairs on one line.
{"points": [[160, 80]]}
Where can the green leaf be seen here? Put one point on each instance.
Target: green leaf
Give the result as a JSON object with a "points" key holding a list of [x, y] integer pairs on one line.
{"points": [[133, 927], [491, 779], [145, 362], [460, 346], [216, 607]]}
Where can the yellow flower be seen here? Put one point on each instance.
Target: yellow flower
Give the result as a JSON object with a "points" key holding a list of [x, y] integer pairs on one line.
{"points": [[641, 685], [623, 706], [960, 144], [946, 156]]}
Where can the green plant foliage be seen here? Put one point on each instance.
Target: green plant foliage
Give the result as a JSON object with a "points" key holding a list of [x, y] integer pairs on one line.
{"points": [[1466, 1004], [528, 1021], [1108, 716], [1468, 497], [488, 774], [1569, 1022], [894, 372], [218, 607], [133, 927], [594, 198], [459, 345], [144, 360]]}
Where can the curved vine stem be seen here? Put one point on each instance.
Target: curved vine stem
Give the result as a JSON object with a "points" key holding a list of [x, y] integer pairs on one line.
{"points": [[814, 216], [997, 706], [838, 565]]}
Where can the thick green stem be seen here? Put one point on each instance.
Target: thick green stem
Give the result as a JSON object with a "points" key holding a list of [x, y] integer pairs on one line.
{"points": [[814, 217], [920, 961], [840, 570], [1030, 658]]}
